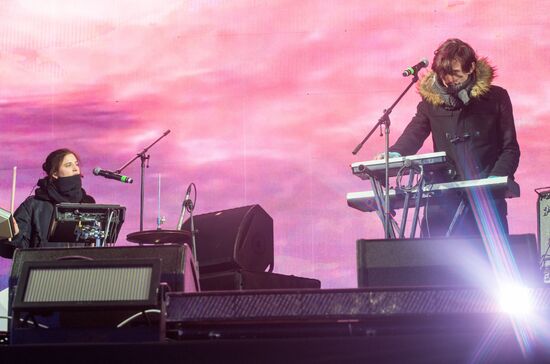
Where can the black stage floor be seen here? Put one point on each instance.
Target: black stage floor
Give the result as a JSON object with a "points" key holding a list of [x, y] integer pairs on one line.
{"points": [[440, 347], [399, 325]]}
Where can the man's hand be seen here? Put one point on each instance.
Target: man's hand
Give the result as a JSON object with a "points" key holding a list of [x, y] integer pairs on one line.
{"points": [[392, 155], [15, 227]]}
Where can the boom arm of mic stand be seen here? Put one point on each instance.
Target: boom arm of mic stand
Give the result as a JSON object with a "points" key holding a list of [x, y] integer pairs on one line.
{"points": [[360, 145], [385, 120], [143, 158], [143, 152], [385, 116]]}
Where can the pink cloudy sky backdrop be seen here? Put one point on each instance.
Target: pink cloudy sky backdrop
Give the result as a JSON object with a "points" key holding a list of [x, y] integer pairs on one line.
{"points": [[265, 101]]}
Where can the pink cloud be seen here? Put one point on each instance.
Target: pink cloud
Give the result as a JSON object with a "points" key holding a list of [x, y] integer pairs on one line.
{"points": [[265, 101]]}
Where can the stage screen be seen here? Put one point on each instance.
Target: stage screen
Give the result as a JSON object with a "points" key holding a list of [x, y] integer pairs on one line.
{"points": [[265, 101]]}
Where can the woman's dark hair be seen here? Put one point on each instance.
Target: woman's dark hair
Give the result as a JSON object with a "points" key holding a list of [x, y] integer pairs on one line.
{"points": [[54, 160], [450, 50]]}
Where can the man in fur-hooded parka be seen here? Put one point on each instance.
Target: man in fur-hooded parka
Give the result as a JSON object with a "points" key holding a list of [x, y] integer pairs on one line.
{"points": [[472, 121]]}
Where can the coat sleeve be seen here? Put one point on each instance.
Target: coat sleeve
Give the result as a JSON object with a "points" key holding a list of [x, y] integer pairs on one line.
{"points": [[414, 134], [508, 160], [23, 216]]}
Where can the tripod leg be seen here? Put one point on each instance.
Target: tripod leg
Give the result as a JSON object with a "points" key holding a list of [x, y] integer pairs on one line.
{"points": [[419, 196], [381, 211], [408, 194], [461, 210]]}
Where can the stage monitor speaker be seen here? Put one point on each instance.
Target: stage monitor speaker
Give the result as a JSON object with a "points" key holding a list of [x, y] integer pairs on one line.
{"points": [[88, 284], [88, 301], [439, 262], [239, 238], [177, 265]]}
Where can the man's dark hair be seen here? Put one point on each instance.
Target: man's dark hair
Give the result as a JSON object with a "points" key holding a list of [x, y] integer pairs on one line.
{"points": [[54, 160], [450, 50]]}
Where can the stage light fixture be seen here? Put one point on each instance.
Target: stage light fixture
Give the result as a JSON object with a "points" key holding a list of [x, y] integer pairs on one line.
{"points": [[515, 299]]}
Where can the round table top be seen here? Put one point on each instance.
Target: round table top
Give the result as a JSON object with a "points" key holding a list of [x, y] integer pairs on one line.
{"points": [[160, 237]]}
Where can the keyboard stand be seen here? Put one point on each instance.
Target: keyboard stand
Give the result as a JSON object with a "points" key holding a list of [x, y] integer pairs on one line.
{"points": [[418, 197], [409, 191], [460, 212], [381, 211]]}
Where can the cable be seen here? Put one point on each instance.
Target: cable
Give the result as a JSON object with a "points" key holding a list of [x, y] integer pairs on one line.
{"points": [[190, 206], [416, 179], [75, 257], [137, 315], [426, 209], [544, 257], [26, 320], [411, 167], [33, 321]]}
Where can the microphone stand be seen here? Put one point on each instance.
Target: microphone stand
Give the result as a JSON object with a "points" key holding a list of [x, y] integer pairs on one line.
{"points": [[144, 158], [385, 120]]}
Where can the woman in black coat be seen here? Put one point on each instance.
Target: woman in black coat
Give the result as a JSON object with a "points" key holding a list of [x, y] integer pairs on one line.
{"points": [[63, 183]]}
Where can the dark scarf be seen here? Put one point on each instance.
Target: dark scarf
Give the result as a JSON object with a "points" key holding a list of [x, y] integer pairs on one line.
{"points": [[455, 97], [62, 189]]}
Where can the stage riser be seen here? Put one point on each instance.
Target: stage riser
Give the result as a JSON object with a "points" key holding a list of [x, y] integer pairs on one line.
{"points": [[323, 305], [366, 328], [341, 313]]}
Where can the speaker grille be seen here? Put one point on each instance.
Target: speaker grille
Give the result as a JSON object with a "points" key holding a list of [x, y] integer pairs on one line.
{"points": [[172, 257], [88, 284]]}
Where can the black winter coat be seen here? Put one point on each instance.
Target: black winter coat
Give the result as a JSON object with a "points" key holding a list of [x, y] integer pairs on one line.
{"points": [[34, 217], [479, 139]]}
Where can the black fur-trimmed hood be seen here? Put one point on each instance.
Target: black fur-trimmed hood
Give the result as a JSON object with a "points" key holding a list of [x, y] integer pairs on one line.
{"points": [[484, 72]]}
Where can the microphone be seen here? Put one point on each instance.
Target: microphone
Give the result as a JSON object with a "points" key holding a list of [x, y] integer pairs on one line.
{"points": [[186, 205], [111, 175], [417, 67], [187, 201]]}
